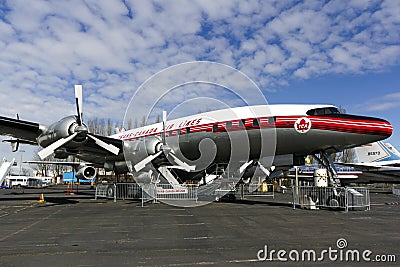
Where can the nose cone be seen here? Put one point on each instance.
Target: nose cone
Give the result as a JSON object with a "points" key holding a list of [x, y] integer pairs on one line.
{"points": [[369, 129], [347, 131], [377, 127], [388, 129]]}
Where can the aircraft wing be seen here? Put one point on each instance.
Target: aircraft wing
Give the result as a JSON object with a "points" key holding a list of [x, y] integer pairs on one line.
{"points": [[372, 165], [25, 131], [95, 155], [66, 163], [361, 166]]}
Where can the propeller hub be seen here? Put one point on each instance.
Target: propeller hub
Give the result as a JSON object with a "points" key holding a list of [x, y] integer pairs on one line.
{"points": [[81, 130], [166, 149]]}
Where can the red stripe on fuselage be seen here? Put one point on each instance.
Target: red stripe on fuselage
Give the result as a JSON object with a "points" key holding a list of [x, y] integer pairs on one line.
{"points": [[347, 125], [374, 127]]}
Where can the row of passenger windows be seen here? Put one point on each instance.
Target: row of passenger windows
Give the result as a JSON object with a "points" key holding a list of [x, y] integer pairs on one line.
{"points": [[242, 123], [228, 125]]}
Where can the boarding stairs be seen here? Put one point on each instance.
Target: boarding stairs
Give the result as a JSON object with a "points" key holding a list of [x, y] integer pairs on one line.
{"points": [[5, 169]]}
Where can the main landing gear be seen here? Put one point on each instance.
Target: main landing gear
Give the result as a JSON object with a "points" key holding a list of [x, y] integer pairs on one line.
{"points": [[326, 161]]}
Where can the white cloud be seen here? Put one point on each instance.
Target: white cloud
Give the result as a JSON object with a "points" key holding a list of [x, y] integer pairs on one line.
{"points": [[111, 47], [383, 103]]}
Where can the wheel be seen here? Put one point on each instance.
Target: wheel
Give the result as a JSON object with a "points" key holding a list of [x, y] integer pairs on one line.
{"points": [[110, 191], [335, 202]]}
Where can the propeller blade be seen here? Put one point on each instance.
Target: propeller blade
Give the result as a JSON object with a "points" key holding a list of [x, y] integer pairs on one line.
{"points": [[79, 104], [109, 147], [182, 164], [244, 166], [264, 170], [141, 164], [164, 121], [47, 151]]}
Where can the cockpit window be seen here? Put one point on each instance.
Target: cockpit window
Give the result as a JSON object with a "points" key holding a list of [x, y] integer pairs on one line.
{"points": [[323, 111]]}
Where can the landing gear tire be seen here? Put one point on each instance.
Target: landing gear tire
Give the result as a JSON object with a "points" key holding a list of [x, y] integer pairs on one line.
{"points": [[336, 202], [110, 191]]}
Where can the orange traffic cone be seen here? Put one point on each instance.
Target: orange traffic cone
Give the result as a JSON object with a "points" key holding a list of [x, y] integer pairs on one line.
{"points": [[41, 198], [69, 190]]}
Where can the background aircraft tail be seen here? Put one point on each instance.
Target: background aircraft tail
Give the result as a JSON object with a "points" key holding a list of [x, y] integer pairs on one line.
{"points": [[376, 152], [393, 149]]}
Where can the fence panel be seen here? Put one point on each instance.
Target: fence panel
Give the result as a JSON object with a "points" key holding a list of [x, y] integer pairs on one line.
{"points": [[357, 198], [396, 191], [176, 192], [255, 189], [101, 190], [146, 192], [311, 197], [129, 191]]}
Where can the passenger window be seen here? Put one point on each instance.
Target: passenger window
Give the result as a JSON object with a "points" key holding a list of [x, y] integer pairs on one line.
{"points": [[271, 120], [187, 129], [256, 122], [242, 122], [215, 128], [229, 125]]}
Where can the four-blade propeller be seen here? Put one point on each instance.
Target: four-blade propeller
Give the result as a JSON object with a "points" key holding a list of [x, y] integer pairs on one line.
{"points": [[168, 152], [80, 130]]}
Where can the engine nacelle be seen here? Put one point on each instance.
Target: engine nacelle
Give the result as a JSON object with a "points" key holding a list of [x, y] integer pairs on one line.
{"points": [[61, 129], [136, 151], [86, 172]]}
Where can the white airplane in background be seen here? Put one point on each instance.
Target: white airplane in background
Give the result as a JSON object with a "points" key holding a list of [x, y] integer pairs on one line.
{"points": [[378, 154], [379, 162], [300, 130]]}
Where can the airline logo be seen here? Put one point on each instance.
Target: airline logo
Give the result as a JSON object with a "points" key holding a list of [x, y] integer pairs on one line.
{"points": [[302, 125]]}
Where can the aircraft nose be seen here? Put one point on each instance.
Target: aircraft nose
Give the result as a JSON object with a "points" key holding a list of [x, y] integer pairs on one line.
{"points": [[377, 129], [381, 127], [389, 129], [356, 130]]}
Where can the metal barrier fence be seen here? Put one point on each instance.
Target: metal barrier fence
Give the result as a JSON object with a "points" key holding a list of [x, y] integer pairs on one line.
{"points": [[175, 192], [146, 192], [255, 189], [396, 191], [104, 190], [311, 197], [357, 198]]}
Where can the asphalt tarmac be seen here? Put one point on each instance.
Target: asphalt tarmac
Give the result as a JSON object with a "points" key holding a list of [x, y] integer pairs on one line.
{"points": [[76, 230]]}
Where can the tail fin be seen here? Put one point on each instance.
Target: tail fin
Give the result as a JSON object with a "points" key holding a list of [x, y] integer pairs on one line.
{"points": [[376, 152], [392, 149]]}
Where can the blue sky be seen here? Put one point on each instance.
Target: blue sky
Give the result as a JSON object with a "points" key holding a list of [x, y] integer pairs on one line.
{"points": [[345, 53]]}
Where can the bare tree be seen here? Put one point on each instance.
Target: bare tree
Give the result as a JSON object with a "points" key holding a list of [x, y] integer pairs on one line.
{"points": [[143, 121], [342, 110], [348, 155], [102, 127], [45, 168], [158, 118], [40, 168], [109, 127], [116, 126]]}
